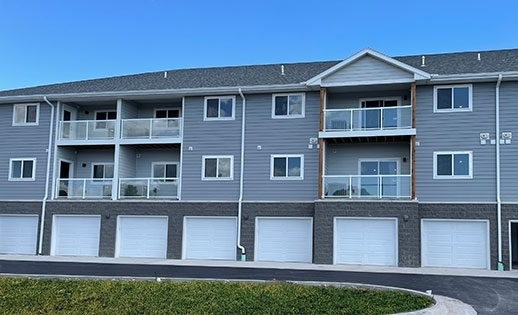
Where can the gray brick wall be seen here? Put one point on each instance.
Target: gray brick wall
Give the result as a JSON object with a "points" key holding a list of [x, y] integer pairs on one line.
{"points": [[509, 212]]}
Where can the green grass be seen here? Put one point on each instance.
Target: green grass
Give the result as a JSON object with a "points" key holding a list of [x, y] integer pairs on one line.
{"points": [[44, 296]]}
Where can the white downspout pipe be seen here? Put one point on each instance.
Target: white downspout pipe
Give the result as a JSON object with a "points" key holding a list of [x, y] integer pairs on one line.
{"points": [[241, 177], [500, 265], [46, 195]]}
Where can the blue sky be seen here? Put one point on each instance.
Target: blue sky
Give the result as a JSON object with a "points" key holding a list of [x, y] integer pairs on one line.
{"points": [[53, 41]]}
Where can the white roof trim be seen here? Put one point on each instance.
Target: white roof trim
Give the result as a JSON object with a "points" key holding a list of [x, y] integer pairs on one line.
{"points": [[418, 74]]}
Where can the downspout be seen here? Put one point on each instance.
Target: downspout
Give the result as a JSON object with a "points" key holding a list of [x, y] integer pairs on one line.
{"points": [[241, 177], [500, 265], [46, 195]]}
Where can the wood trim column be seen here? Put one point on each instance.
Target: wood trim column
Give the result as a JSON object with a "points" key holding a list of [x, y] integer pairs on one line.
{"points": [[413, 141], [321, 142]]}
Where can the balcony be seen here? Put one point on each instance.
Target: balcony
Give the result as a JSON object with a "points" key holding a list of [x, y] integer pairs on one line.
{"points": [[148, 188], [151, 130], [87, 130], [367, 186], [84, 188], [364, 122]]}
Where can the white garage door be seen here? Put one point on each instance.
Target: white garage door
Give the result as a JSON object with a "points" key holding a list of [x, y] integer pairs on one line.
{"points": [[75, 235], [210, 238], [284, 239], [365, 241], [141, 236], [451, 243], [18, 234]]}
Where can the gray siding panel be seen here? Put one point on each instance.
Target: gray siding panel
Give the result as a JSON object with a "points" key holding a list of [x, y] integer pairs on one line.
{"points": [[24, 142], [87, 157], [209, 138], [127, 162], [456, 131], [148, 156], [128, 110], [367, 69], [352, 100], [509, 153], [279, 136]]}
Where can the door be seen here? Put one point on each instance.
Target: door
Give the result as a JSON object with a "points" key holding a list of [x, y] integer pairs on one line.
{"points": [[65, 173], [378, 114], [379, 178], [455, 243], [18, 234], [68, 128], [75, 235], [513, 236], [210, 238], [284, 239], [142, 236], [365, 241]]}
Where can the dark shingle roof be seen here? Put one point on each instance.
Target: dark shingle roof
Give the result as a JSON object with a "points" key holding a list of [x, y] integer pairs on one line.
{"points": [[264, 75]]}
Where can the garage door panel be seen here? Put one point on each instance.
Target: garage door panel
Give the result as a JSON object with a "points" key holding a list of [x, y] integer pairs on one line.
{"points": [[210, 238], [142, 236], [365, 241], [454, 243], [18, 234], [75, 235], [284, 239]]}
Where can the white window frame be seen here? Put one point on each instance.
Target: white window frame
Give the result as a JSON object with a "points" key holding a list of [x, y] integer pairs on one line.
{"points": [[453, 176], [205, 157], [168, 109], [233, 98], [384, 99], [103, 120], [453, 109], [104, 171], [25, 123], [287, 116], [287, 177], [21, 178], [164, 164]]}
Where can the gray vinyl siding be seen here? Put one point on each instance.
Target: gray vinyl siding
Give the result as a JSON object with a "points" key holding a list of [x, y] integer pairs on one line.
{"points": [[24, 142], [89, 157], [367, 69], [148, 111], [88, 112], [279, 136], [129, 110], [147, 157], [456, 131], [352, 100], [201, 138], [343, 159], [509, 152], [127, 162]]}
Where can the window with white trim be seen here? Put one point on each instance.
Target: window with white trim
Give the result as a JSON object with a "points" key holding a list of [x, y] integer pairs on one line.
{"points": [[26, 114], [167, 113], [22, 169], [102, 170], [218, 167], [452, 98], [219, 108], [453, 165], [104, 115], [288, 105], [289, 166], [165, 171]]}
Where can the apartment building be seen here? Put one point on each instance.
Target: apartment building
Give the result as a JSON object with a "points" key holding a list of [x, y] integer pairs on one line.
{"points": [[372, 160]]}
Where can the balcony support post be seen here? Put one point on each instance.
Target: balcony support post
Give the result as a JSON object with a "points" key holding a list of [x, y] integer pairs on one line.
{"points": [[413, 142], [320, 193]]}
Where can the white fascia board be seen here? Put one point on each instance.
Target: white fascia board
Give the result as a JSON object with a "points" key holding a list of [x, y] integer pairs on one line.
{"points": [[359, 83], [492, 76], [418, 74], [157, 93]]}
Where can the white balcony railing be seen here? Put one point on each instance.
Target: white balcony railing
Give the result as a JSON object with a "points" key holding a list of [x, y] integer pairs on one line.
{"points": [[151, 128], [87, 130], [84, 188], [363, 119], [148, 188], [366, 186]]}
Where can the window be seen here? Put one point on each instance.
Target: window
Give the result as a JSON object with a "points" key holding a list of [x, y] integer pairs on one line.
{"points": [[452, 98], [104, 115], [26, 114], [452, 165], [102, 171], [218, 167], [167, 113], [21, 169], [164, 171], [288, 106], [287, 167], [217, 108]]}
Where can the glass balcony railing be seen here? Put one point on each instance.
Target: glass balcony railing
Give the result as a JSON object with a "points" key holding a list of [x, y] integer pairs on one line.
{"points": [[84, 188], [151, 128], [148, 188], [367, 186], [87, 130], [364, 119]]}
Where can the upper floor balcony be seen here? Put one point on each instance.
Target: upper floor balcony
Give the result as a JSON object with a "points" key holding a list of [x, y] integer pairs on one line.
{"points": [[148, 188], [150, 129], [94, 131], [367, 122]]}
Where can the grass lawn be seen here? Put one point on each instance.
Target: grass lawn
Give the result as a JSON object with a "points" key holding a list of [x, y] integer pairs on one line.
{"points": [[44, 296]]}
